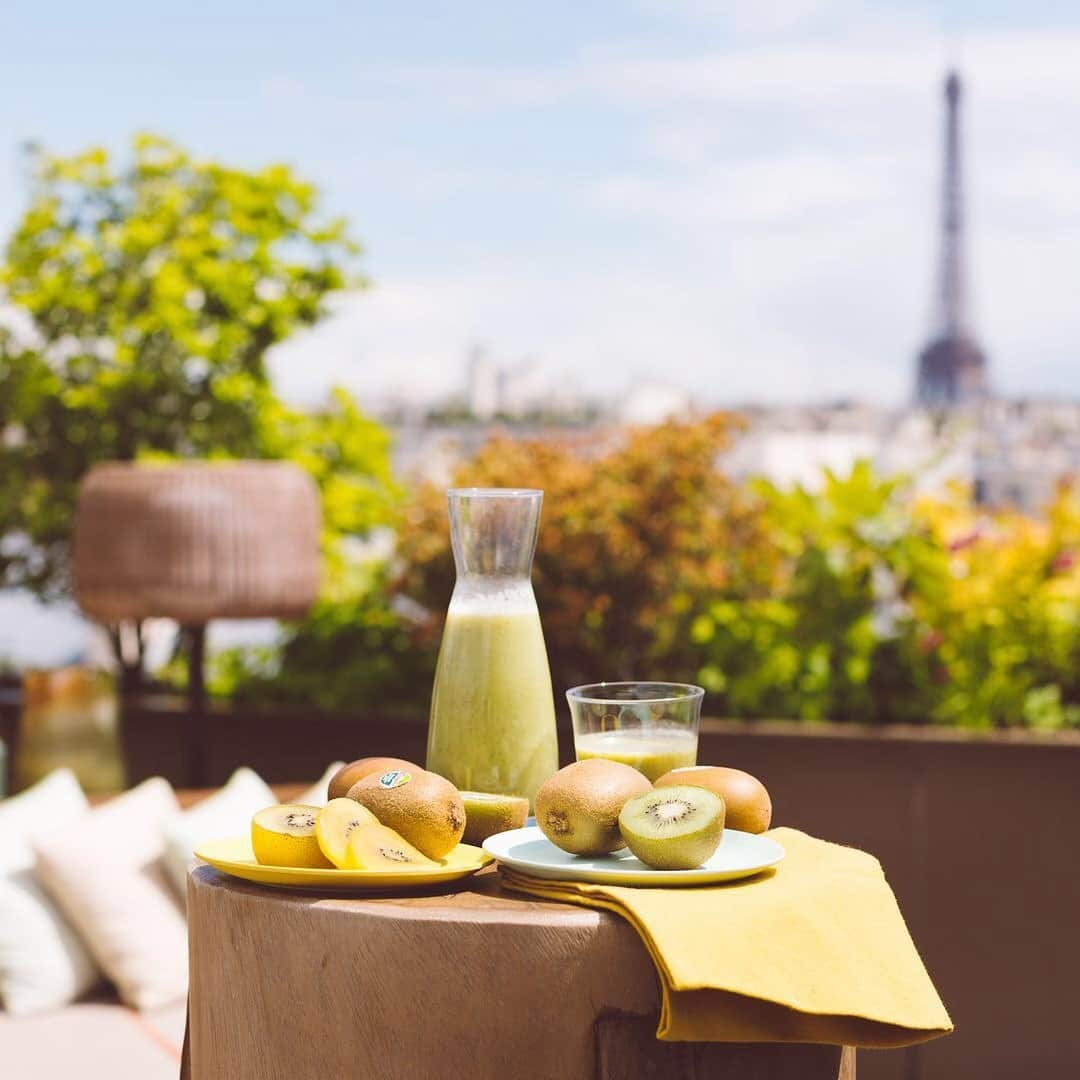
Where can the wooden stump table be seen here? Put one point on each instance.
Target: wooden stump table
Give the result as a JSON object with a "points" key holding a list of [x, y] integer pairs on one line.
{"points": [[471, 981]]}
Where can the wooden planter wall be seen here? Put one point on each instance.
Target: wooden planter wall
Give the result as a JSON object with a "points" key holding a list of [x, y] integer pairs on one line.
{"points": [[978, 836]]}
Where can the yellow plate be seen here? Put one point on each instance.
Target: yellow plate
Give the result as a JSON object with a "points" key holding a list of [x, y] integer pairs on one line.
{"points": [[234, 856]]}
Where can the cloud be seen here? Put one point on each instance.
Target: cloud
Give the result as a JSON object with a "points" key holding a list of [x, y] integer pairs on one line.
{"points": [[785, 191], [406, 337], [746, 329], [752, 18], [783, 181]]}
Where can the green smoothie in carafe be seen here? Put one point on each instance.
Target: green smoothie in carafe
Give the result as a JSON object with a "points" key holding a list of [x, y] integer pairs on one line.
{"points": [[492, 712], [492, 722]]}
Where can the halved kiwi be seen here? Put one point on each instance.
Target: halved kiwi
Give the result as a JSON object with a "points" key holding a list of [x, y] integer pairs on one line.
{"points": [[487, 814], [673, 828], [285, 836]]}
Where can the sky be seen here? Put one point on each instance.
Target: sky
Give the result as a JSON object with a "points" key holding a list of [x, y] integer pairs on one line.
{"points": [[738, 196]]}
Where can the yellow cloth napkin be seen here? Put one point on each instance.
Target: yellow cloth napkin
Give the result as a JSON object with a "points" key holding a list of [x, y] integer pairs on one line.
{"points": [[815, 951]]}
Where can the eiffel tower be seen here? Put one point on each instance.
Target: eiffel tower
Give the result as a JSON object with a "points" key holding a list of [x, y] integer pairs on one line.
{"points": [[952, 367]]}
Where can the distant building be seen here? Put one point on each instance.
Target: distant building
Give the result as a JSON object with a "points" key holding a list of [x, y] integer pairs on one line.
{"points": [[951, 368], [651, 402], [483, 391], [1007, 453], [524, 390], [1026, 451]]}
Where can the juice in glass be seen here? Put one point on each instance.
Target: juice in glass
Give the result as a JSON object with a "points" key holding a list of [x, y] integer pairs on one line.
{"points": [[652, 726], [653, 752]]}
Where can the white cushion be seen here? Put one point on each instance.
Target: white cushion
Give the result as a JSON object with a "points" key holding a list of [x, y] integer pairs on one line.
{"points": [[90, 1040], [53, 801], [105, 872], [316, 794], [43, 964], [227, 812]]}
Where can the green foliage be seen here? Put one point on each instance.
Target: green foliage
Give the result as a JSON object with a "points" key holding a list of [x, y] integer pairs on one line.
{"points": [[887, 608], [348, 455], [828, 640], [353, 651], [857, 602], [152, 291]]}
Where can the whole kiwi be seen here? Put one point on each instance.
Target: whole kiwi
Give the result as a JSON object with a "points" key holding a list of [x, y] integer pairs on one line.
{"points": [[423, 807], [348, 775], [578, 807], [749, 808]]}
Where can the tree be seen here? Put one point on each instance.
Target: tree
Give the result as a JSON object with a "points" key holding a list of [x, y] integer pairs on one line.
{"points": [[638, 533], [146, 295]]}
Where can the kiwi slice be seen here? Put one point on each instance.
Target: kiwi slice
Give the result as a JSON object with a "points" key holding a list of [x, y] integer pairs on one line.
{"points": [[375, 847], [335, 824], [487, 814], [673, 828]]}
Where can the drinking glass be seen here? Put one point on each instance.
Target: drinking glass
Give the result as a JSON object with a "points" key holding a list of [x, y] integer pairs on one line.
{"points": [[652, 726]]}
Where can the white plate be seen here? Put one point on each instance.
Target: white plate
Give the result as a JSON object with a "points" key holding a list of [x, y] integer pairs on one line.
{"points": [[739, 855]]}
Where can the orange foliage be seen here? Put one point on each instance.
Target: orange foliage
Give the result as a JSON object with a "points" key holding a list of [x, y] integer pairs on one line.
{"points": [[639, 530]]}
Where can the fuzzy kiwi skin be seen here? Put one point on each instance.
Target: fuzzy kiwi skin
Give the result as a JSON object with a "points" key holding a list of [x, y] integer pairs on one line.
{"points": [[426, 809], [749, 808], [690, 843], [355, 771], [578, 807]]}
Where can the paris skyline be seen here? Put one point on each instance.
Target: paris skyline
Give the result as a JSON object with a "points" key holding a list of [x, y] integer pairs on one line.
{"points": [[744, 202]]}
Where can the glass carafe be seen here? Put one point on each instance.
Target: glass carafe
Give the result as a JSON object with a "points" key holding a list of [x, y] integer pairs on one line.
{"points": [[492, 709]]}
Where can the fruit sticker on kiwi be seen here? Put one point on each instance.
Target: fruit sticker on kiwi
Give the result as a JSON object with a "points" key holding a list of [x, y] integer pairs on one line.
{"points": [[394, 778]]}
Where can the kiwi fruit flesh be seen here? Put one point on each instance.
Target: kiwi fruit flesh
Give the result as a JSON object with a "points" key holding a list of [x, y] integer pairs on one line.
{"points": [[423, 807], [348, 775], [749, 808], [487, 814], [673, 828], [285, 836], [578, 807], [375, 847], [335, 824]]}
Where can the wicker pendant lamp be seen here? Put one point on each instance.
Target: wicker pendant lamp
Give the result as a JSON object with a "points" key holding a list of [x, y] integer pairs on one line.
{"points": [[196, 541]]}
